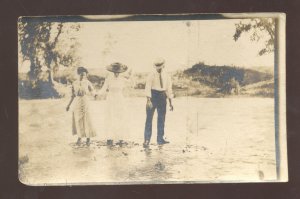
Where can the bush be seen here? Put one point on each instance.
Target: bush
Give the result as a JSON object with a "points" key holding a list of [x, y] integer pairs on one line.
{"points": [[37, 90], [40, 88], [219, 76], [97, 81]]}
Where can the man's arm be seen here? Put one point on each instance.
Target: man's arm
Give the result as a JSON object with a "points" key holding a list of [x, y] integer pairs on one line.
{"points": [[170, 93], [171, 105], [148, 91], [148, 86]]}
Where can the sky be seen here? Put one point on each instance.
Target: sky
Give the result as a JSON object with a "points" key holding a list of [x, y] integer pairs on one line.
{"points": [[180, 43]]}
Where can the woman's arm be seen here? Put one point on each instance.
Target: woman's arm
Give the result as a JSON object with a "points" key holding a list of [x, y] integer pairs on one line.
{"points": [[72, 98], [128, 81], [105, 86], [68, 107], [127, 74], [91, 89]]}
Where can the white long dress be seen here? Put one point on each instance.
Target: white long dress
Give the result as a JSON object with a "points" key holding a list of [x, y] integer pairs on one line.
{"points": [[81, 120], [116, 121]]}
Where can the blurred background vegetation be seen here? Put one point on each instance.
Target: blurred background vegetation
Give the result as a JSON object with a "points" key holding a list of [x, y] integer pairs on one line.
{"points": [[200, 80]]}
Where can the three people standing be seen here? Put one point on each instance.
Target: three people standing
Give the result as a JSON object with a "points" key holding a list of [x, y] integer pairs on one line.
{"points": [[158, 90]]}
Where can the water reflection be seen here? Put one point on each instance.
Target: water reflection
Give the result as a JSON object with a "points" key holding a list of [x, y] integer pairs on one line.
{"points": [[148, 152], [153, 166]]}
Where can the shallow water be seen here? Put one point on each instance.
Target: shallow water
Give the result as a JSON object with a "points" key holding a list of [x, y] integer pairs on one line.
{"points": [[212, 140]]}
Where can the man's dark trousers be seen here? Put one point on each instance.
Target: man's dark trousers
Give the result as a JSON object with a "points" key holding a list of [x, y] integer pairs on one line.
{"points": [[159, 102]]}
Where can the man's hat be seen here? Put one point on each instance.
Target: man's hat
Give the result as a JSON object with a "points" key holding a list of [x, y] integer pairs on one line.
{"points": [[159, 63], [117, 68]]}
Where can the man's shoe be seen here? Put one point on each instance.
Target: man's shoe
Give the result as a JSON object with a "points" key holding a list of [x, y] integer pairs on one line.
{"points": [[161, 142], [88, 141], [146, 144], [109, 142]]}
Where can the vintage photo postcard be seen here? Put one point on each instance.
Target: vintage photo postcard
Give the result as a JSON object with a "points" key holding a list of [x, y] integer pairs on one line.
{"points": [[152, 99]]}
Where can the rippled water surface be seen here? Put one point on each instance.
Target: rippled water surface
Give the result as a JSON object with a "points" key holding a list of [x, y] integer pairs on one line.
{"points": [[212, 139]]}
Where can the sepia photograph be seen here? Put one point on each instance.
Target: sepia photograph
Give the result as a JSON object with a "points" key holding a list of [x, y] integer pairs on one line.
{"points": [[152, 99]]}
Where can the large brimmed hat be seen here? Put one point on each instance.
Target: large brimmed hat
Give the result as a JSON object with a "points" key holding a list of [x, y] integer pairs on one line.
{"points": [[117, 68], [159, 62]]}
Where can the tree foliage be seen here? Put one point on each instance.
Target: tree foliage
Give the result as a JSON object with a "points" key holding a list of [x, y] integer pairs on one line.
{"points": [[259, 29], [47, 44]]}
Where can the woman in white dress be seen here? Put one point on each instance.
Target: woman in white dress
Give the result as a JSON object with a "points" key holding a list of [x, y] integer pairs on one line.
{"points": [[81, 121], [115, 118]]}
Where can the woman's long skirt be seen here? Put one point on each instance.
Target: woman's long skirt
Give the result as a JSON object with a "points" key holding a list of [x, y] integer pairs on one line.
{"points": [[81, 121]]}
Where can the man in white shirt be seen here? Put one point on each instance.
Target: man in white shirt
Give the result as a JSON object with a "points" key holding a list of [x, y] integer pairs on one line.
{"points": [[158, 89]]}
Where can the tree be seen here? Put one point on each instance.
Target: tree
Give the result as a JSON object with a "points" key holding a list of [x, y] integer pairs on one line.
{"points": [[47, 45], [258, 28]]}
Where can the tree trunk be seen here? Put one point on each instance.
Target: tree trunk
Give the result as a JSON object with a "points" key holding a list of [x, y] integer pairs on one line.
{"points": [[51, 80], [31, 74]]}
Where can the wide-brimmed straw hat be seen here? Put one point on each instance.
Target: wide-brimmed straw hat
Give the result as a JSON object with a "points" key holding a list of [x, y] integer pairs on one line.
{"points": [[159, 63], [117, 67]]}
